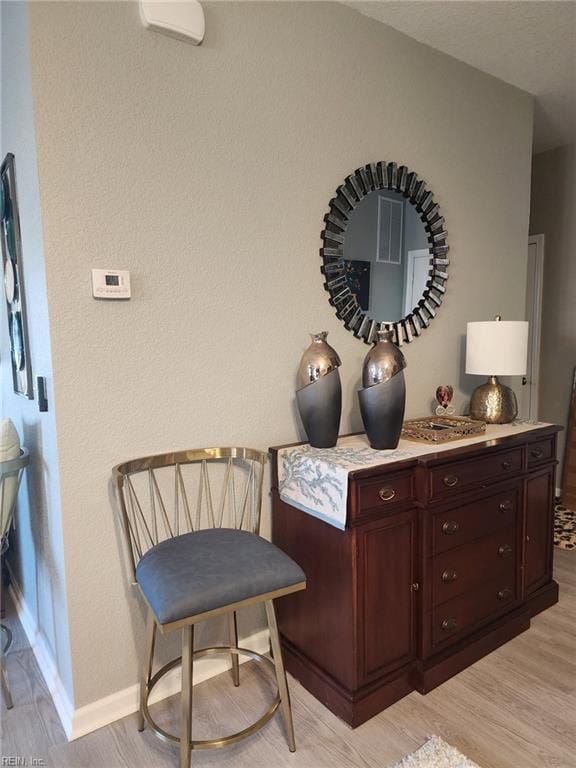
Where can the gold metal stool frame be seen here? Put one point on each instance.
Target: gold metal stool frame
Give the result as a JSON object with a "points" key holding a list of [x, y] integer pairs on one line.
{"points": [[11, 470], [223, 740], [143, 529]]}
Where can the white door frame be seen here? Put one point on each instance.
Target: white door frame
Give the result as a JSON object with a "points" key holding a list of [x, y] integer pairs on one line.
{"points": [[412, 255], [534, 292]]}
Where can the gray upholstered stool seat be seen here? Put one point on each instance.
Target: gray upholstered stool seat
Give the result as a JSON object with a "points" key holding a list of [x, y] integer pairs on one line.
{"points": [[208, 569]]}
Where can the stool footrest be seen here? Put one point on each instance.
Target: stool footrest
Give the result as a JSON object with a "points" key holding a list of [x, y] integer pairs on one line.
{"points": [[224, 740]]}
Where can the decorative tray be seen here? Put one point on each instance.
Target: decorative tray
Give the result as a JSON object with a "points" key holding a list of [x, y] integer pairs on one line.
{"points": [[441, 429]]}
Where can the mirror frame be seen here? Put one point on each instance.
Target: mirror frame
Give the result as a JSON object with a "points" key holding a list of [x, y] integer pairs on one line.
{"points": [[371, 178]]}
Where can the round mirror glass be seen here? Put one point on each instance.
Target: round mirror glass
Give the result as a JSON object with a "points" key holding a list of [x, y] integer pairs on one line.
{"points": [[387, 255]]}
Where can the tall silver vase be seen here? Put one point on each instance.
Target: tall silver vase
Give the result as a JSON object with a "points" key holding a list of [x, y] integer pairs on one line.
{"points": [[319, 393], [383, 398]]}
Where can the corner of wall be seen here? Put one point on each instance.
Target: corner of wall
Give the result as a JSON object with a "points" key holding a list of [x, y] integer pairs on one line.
{"points": [[36, 555]]}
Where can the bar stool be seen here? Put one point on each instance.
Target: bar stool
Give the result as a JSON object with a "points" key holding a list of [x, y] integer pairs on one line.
{"points": [[195, 561], [11, 472]]}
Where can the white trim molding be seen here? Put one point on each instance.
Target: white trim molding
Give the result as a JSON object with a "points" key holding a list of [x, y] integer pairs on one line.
{"points": [[79, 722], [534, 298], [44, 658]]}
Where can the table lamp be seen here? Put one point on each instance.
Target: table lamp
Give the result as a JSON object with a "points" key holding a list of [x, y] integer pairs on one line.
{"points": [[496, 348]]}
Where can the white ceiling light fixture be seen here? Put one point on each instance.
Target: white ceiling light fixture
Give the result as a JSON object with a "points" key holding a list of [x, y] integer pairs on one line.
{"points": [[183, 20]]}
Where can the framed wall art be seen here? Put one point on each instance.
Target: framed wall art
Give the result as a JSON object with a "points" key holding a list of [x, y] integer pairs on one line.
{"points": [[13, 280], [358, 274]]}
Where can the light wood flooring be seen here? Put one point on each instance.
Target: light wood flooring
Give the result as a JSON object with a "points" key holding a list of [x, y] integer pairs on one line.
{"points": [[516, 708]]}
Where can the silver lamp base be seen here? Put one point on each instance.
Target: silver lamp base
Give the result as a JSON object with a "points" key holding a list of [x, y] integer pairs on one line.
{"points": [[493, 403]]}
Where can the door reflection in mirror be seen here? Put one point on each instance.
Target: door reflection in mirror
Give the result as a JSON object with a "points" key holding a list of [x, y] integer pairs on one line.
{"points": [[387, 255]]}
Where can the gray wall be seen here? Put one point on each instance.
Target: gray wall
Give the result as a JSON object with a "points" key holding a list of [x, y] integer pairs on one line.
{"points": [[553, 213], [37, 557], [207, 172]]}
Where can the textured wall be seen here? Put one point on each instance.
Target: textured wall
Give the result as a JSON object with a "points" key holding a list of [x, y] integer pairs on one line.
{"points": [[37, 555], [553, 213], [207, 171]]}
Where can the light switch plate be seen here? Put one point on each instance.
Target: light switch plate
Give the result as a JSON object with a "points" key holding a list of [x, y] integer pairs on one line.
{"points": [[111, 284]]}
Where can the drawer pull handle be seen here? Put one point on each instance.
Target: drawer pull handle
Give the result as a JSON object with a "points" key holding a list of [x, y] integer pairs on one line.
{"points": [[415, 586], [450, 481], [505, 550], [537, 453], [449, 625], [387, 494], [504, 594], [449, 575], [506, 465], [450, 527], [506, 506]]}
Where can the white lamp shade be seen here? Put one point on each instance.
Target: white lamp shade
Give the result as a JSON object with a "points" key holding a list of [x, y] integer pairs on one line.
{"points": [[497, 348]]}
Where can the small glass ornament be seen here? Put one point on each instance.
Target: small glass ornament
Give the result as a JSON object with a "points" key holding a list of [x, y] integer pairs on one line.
{"points": [[444, 395]]}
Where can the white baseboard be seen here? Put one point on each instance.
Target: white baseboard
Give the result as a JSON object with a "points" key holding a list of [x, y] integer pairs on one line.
{"points": [[44, 657], [79, 722]]}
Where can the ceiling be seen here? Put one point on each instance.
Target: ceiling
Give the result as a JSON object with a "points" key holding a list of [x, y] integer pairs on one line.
{"points": [[528, 43]]}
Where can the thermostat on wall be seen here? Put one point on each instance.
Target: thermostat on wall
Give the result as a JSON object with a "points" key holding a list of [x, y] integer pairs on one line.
{"points": [[111, 284]]}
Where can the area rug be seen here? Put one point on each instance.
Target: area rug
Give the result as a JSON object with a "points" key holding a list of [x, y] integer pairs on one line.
{"points": [[435, 753], [564, 526]]}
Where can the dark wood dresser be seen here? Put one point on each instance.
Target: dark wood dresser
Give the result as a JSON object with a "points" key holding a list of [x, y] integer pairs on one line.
{"points": [[444, 557]]}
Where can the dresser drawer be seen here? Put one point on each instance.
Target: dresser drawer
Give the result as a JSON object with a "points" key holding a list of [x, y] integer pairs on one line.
{"points": [[388, 492], [450, 479], [455, 618], [460, 525], [540, 451], [467, 568]]}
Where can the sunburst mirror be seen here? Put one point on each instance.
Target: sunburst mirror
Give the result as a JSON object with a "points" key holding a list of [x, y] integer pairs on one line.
{"points": [[385, 252]]}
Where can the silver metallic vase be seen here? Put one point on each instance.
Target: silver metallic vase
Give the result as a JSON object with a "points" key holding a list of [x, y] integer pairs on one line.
{"points": [[319, 393], [383, 398]]}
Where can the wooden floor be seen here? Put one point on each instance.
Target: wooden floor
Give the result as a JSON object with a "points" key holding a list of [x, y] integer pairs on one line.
{"points": [[514, 709]]}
